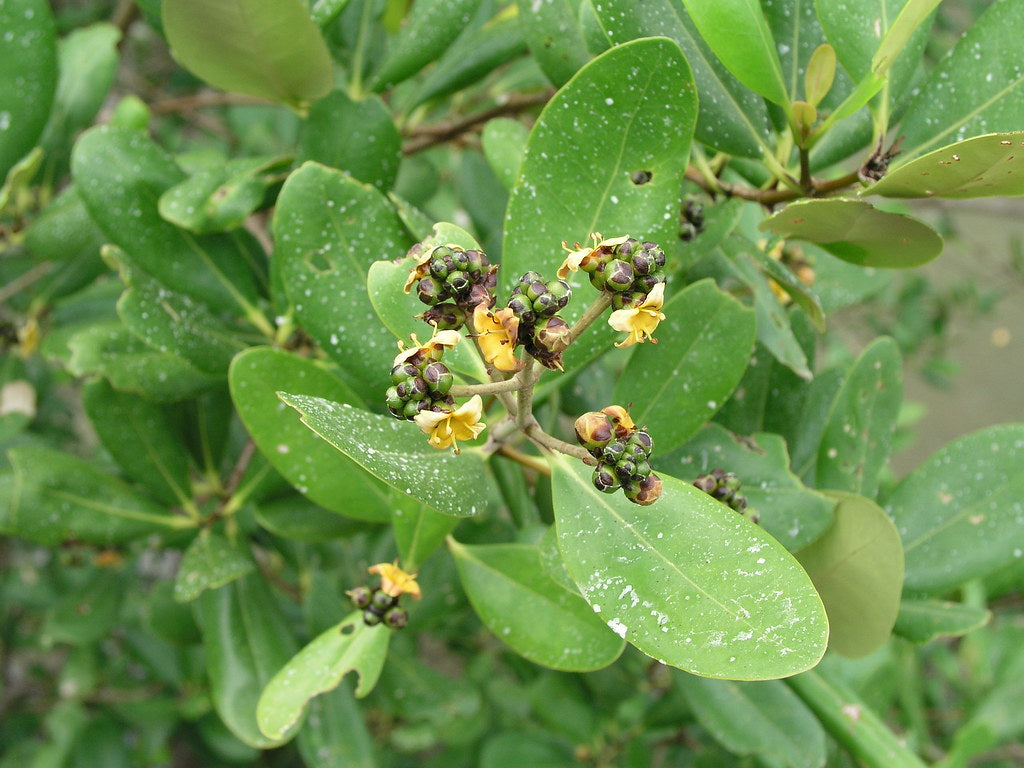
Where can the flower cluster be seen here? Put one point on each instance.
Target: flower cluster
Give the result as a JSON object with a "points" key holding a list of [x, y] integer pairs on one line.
{"points": [[452, 282], [623, 454], [691, 220], [725, 487], [381, 604]]}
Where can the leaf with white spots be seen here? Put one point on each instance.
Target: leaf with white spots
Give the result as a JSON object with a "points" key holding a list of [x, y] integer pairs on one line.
{"points": [[319, 668], [313, 467], [397, 452], [858, 434], [513, 594], [209, 562], [631, 109], [704, 345], [961, 513], [687, 580]]}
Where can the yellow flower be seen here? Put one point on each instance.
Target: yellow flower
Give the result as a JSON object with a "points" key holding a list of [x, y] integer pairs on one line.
{"points": [[419, 269], [438, 341], [640, 322], [576, 258], [396, 582], [444, 428], [497, 333]]}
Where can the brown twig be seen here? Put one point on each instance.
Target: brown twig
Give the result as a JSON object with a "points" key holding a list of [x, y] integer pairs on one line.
{"points": [[241, 465], [425, 136], [204, 100], [543, 439], [770, 197]]}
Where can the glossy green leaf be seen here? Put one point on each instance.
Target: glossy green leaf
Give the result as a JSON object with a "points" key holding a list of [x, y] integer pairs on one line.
{"points": [[335, 734], [313, 467], [220, 198], [209, 562], [418, 529], [473, 55], [687, 580], [857, 232], [984, 166], [427, 32], [141, 438], [298, 519], [575, 178], [246, 640], [789, 511], [56, 497], [978, 88], [358, 137], [329, 229], [319, 668], [397, 452], [552, 30], [960, 512], [800, 294], [820, 74], [120, 175], [703, 348], [267, 48], [858, 434], [504, 142], [85, 614], [922, 621], [28, 76], [323, 12], [111, 350], [512, 594], [765, 719], [857, 568], [732, 118], [804, 439], [912, 16], [739, 35]]}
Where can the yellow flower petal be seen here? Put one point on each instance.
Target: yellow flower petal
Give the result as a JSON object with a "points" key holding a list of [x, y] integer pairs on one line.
{"points": [[396, 582], [446, 428], [497, 334], [447, 338], [640, 322]]}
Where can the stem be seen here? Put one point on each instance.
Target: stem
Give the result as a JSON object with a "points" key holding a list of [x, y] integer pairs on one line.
{"points": [[524, 398], [532, 462], [543, 439], [805, 171], [852, 723], [594, 311], [493, 388]]}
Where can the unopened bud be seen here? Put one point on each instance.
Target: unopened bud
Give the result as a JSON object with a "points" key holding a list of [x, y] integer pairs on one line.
{"points": [[552, 335], [605, 480], [593, 430], [430, 290], [445, 317], [618, 275], [360, 596], [648, 491], [396, 618], [438, 378]]}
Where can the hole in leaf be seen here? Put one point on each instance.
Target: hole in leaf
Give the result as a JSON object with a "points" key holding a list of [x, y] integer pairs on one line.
{"points": [[641, 177], [319, 262], [348, 629]]}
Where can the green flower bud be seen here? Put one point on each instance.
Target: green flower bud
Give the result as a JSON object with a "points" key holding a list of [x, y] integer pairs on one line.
{"points": [[706, 483], [396, 618], [458, 282], [394, 403], [413, 407], [552, 335], [625, 469], [461, 260], [644, 439], [618, 275], [646, 283], [535, 290], [370, 618], [625, 249], [522, 308], [477, 263], [528, 278], [560, 290], [545, 305], [360, 596], [656, 253], [605, 480], [693, 212], [445, 317], [597, 278], [645, 492], [402, 371], [381, 601], [687, 232], [593, 431], [629, 299], [643, 263], [438, 378], [643, 468], [413, 388], [439, 265], [430, 291], [613, 452]]}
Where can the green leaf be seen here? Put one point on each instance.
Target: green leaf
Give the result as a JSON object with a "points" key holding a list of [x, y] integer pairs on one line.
{"points": [[857, 568], [820, 73], [978, 88], [85, 614], [120, 175], [210, 562], [398, 453], [553, 33], [418, 529], [329, 229], [678, 384], [220, 198], [606, 123], [504, 142], [111, 350], [732, 118], [959, 513], [765, 719], [426, 34], [319, 668], [789, 511], [984, 166], [922, 621], [537, 750], [897, 37], [801, 295], [246, 640], [687, 580], [141, 438], [354, 136], [739, 35], [332, 481], [57, 497], [266, 48], [858, 434], [513, 595], [296, 518], [857, 232], [335, 734], [28, 76], [323, 12]]}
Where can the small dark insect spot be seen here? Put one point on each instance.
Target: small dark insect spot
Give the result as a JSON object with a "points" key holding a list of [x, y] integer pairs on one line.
{"points": [[640, 177]]}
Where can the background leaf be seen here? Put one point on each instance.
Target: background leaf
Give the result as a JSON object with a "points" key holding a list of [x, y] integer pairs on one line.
{"points": [[397, 452], [552, 30], [335, 734], [857, 568], [687, 580], [678, 384], [513, 595], [922, 621], [209, 562], [418, 529], [959, 513], [267, 48], [504, 142]]}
